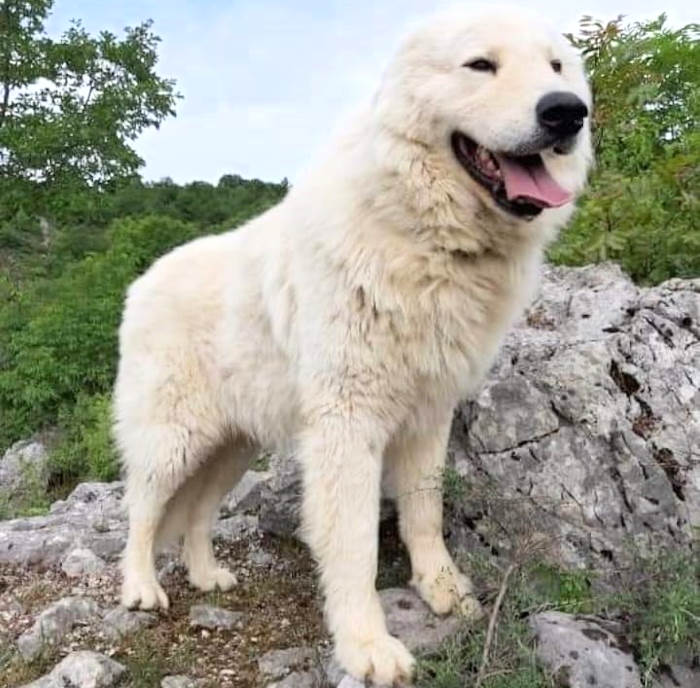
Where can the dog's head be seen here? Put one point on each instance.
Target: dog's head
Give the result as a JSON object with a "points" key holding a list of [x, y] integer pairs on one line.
{"points": [[504, 98]]}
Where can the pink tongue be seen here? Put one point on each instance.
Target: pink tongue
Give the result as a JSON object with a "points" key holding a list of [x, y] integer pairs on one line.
{"points": [[528, 178]]}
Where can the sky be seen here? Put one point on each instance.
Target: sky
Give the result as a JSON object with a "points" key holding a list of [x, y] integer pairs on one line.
{"points": [[264, 81]]}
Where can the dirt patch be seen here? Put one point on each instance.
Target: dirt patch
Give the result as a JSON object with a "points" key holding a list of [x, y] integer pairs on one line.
{"points": [[278, 597]]}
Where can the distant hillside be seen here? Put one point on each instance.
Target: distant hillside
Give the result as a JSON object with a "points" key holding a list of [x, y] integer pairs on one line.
{"points": [[32, 245], [62, 285]]}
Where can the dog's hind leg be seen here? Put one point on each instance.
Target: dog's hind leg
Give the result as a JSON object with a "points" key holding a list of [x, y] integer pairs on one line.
{"points": [[216, 477], [159, 462]]}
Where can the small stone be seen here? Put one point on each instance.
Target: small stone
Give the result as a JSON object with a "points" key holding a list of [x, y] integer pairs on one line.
{"points": [[178, 682], [85, 669], [13, 609], [82, 561], [350, 682], [412, 621], [100, 524], [214, 618], [276, 664], [121, 621], [260, 559], [55, 622], [299, 679]]}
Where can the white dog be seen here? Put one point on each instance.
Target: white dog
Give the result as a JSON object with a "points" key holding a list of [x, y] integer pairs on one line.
{"points": [[351, 318]]}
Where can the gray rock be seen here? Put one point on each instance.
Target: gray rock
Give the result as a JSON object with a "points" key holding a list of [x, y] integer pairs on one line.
{"points": [[247, 494], [276, 664], [350, 682], [82, 562], [412, 621], [280, 497], [24, 466], [84, 669], [583, 435], [214, 618], [235, 527], [581, 652], [91, 518], [121, 621], [678, 676], [55, 622], [298, 679], [333, 672], [177, 682]]}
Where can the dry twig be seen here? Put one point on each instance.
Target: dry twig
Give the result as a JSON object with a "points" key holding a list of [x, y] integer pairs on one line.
{"points": [[492, 626]]}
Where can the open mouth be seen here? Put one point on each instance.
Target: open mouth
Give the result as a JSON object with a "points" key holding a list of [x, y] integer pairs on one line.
{"points": [[521, 185]]}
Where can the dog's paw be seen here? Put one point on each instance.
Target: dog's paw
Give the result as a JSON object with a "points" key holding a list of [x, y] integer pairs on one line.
{"points": [[213, 579], [383, 659], [446, 589], [137, 594]]}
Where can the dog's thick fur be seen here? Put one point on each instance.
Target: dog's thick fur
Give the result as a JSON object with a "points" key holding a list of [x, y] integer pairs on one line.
{"points": [[345, 324]]}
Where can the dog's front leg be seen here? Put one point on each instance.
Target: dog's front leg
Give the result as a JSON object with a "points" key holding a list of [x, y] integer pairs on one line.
{"points": [[416, 463], [342, 463]]}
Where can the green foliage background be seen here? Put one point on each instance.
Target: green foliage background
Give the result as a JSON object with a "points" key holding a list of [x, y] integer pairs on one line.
{"points": [[642, 207]]}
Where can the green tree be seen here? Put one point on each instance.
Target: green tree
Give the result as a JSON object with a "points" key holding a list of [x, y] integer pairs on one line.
{"points": [[642, 205], [71, 108]]}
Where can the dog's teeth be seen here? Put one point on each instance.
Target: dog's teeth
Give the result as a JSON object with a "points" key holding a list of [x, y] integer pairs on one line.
{"points": [[490, 166]]}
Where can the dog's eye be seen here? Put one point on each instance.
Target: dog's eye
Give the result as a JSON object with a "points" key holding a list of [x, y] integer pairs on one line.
{"points": [[481, 65], [556, 65]]}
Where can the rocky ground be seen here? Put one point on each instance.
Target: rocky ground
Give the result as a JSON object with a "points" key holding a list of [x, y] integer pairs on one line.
{"points": [[583, 445]]}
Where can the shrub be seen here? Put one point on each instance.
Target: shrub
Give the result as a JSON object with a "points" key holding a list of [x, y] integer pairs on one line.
{"points": [[661, 607], [59, 337], [86, 449], [642, 205]]}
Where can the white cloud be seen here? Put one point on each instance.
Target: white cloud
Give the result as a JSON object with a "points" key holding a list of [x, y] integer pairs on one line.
{"points": [[264, 81]]}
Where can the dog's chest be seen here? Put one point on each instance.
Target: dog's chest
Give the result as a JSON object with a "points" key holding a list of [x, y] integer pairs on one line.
{"points": [[450, 335]]}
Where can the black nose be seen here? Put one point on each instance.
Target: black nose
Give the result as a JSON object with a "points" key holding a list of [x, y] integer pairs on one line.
{"points": [[561, 112]]}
